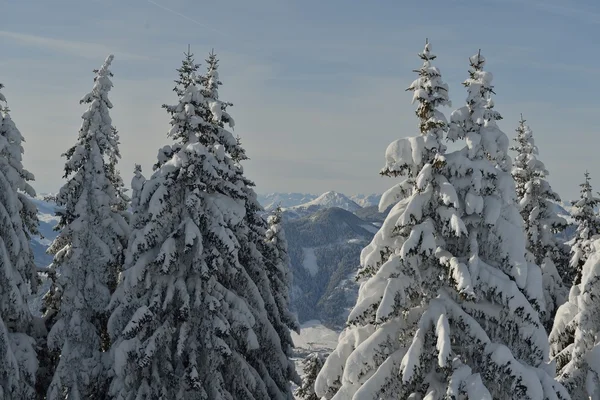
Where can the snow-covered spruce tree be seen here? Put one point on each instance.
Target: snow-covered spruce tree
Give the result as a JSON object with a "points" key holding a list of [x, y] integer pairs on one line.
{"points": [[280, 265], [258, 258], [114, 175], [588, 226], [535, 198], [574, 338], [137, 184], [311, 366], [18, 221], [185, 313], [443, 312], [430, 92], [93, 234]]}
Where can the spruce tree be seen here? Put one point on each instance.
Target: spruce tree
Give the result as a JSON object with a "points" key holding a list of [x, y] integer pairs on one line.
{"points": [[137, 184], [87, 251], [588, 226], [18, 221], [275, 367], [574, 337], [311, 366], [114, 175], [536, 203], [430, 92], [188, 317], [444, 310], [279, 265]]}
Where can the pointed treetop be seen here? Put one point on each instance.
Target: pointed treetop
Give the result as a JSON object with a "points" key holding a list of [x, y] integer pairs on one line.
{"points": [[427, 55], [104, 71], [477, 61], [2, 98], [187, 73], [212, 61], [586, 187], [108, 61], [587, 177]]}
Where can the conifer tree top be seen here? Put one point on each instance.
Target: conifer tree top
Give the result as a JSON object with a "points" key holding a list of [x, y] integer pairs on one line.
{"points": [[584, 207], [406, 156]]}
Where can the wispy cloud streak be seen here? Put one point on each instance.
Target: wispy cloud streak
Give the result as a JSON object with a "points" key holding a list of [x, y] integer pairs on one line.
{"points": [[71, 47], [187, 18]]}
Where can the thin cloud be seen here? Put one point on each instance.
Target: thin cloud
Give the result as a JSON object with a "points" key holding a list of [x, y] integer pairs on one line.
{"points": [[186, 17], [71, 47]]}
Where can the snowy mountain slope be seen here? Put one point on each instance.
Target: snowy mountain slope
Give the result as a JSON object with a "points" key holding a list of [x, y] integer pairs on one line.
{"points": [[314, 337], [332, 199], [324, 250], [272, 200], [48, 220], [564, 211], [372, 214], [324, 201], [365, 200]]}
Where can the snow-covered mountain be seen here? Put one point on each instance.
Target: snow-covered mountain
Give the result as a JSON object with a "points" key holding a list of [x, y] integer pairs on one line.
{"points": [[366, 200], [48, 220], [333, 199], [324, 250], [285, 200], [564, 210], [324, 201]]}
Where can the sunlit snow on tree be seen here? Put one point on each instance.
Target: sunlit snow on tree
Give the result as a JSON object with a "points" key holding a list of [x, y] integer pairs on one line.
{"points": [[88, 251], [18, 222], [536, 203]]}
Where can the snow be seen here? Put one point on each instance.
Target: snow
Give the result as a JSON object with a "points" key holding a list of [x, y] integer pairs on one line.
{"points": [[366, 200], [310, 261], [328, 200], [204, 288], [370, 227], [314, 336]]}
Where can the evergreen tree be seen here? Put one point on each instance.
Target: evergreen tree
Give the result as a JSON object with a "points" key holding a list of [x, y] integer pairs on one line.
{"points": [[574, 337], [312, 364], [280, 266], [535, 198], [430, 92], [588, 226], [137, 184], [275, 370], [444, 310], [18, 221], [188, 317], [87, 251], [113, 174]]}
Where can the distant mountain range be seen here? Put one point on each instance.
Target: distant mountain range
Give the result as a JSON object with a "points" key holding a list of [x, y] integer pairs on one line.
{"points": [[324, 201], [327, 199]]}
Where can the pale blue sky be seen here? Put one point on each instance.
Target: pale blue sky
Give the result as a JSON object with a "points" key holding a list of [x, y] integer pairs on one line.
{"points": [[318, 86]]}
